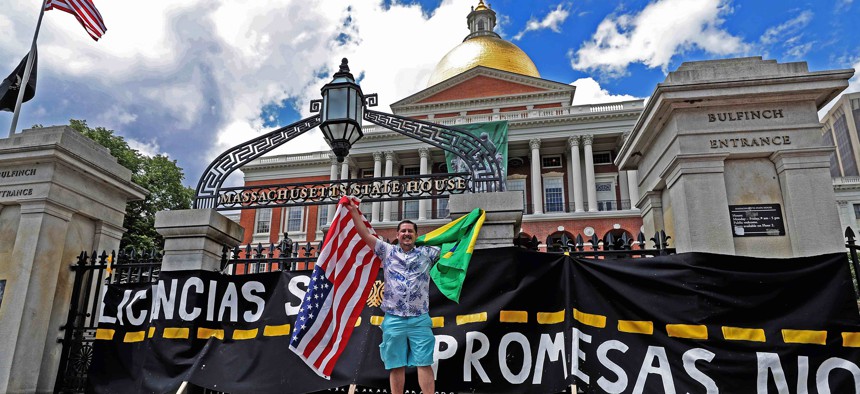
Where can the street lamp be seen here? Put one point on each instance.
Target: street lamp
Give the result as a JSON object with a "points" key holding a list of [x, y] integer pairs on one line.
{"points": [[342, 111]]}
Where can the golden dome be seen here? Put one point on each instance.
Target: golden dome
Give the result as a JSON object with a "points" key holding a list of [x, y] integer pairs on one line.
{"points": [[484, 51], [481, 6]]}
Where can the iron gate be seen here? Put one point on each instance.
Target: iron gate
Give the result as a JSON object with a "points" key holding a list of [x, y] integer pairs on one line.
{"points": [[91, 273]]}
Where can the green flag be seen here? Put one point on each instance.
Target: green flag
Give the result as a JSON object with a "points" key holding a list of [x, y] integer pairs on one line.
{"points": [[456, 241]]}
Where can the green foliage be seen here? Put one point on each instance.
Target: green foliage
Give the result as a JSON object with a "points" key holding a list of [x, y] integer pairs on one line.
{"points": [[158, 174]]}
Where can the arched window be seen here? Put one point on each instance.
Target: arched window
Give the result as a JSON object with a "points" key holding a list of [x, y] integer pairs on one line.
{"points": [[481, 24]]}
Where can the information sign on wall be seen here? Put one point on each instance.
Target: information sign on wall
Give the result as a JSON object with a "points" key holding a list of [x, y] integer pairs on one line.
{"points": [[758, 220]]}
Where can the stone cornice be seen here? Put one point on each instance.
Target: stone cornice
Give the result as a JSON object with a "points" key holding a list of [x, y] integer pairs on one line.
{"points": [[478, 103]]}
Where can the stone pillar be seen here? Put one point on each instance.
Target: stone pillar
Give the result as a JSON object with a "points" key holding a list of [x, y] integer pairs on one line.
{"points": [[814, 221], [590, 185], [332, 176], [389, 170], [733, 150], [504, 212], [633, 187], [695, 185], [377, 172], [537, 191], [576, 169], [62, 194], [194, 238], [424, 153]]}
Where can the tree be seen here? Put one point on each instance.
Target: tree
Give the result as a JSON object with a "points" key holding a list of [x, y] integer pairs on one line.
{"points": [[158, 174]]}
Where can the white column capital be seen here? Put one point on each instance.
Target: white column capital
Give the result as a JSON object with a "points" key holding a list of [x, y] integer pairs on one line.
{"points": [[573, 141], [534, 143], [587, 139], [391, 156], [377, 156], [333, 158], [424, 152]]}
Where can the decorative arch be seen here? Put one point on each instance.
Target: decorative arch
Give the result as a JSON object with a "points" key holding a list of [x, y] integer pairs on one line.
{"points": [[554, 240], [618, 237], [479, 155]]}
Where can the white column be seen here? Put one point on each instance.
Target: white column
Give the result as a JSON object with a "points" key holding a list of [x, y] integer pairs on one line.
{"points": [[590, 186], [344, 168], [332, 177], [537, 192], [633, 187], [424, 153], [389, 170], [576, 168], [377, 172]]}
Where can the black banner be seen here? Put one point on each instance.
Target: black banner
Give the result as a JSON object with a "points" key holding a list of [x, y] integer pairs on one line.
{"points": [[527, 322]]}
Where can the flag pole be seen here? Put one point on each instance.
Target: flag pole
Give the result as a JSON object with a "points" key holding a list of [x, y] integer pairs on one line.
{"points": [[23, 87]]}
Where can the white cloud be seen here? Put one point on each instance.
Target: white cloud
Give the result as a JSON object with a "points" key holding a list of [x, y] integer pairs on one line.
{"points": [[843, 5], [149, 148], [193, 75], [663, 29], [552, 21], [588, 91], [790, 27]]}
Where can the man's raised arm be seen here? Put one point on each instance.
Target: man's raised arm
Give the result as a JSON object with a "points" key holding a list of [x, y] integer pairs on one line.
{"points": [[358, 222]]}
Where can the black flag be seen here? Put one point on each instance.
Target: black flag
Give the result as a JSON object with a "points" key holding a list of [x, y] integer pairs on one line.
{"points": [[10, 86]]}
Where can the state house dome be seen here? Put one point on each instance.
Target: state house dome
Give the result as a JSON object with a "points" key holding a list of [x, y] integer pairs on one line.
{"points": [[483, 47]]}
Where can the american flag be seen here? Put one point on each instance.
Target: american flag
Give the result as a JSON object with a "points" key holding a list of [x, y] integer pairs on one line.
{"points": [[340, 283], [86, 13]]}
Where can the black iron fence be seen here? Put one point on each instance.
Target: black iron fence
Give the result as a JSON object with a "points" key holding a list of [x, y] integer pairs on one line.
{"points": [[854, 261], [608, 247], [286, 255], [91, 272]]}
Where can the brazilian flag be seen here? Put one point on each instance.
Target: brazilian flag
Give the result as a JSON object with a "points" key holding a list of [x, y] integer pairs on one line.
{"points": [[456, 241]]}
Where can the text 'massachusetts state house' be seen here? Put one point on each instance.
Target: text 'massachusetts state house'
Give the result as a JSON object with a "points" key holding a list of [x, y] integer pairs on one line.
{"points": [[559, 155]]}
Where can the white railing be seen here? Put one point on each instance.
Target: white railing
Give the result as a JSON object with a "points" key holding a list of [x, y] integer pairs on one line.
{"points": [[587, 109], [291, 158], [846, 180]]}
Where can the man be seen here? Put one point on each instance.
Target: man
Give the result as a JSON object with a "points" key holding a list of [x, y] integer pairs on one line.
{"points": [[407, 337]]}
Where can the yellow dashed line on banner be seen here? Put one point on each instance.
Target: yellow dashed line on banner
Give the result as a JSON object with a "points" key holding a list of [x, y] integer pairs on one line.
{"points": [[134, 336], [851, 339], [276, 331], [473, 318], [175, 333], [206, 333], [438, 322], [514, 317], [636, 327], [357, 322], [151, 332], [104, 334], [804, 336], [245, 334], [687, 331], [376, 320], [550, 317], [588, 319], [744, 334]]}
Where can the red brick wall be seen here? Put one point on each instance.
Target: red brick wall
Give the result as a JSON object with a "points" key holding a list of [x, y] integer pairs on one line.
{"points": [[248, 216], [575, 226], [480, 86], [551, 105]]}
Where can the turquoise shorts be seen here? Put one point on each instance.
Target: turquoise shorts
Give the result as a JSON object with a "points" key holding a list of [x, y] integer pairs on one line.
{"points": [[407, 341]]}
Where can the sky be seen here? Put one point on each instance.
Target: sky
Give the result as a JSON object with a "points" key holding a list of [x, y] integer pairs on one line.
{"points": [[193, 78]]}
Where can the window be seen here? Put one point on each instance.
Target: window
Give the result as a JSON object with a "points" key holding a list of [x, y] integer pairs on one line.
{"points": [[322, 216], [604, 187], [294, 219], [857, 211], [855, 103], [481, 24], [442, 208], [602, 158], [366, 173], [264, 220], [367, 209], [410, 209], [411, 171], [519, 185], [553, 190], [551, 161]]}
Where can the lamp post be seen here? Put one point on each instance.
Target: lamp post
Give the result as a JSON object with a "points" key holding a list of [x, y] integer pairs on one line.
{"points": [[342, 112]]}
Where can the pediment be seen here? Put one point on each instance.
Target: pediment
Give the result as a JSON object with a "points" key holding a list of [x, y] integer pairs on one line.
{"points": [[484, 82]]}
